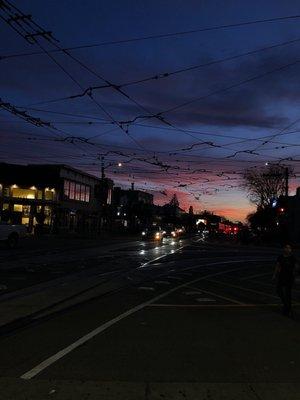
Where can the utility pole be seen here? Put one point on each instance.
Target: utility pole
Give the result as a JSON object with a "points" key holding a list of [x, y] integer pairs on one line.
{"points": [[286, 177], [102, 168]]}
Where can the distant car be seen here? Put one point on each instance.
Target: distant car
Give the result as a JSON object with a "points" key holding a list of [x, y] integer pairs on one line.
{"points": [[176, 232], [12, 233], [153, 233]]}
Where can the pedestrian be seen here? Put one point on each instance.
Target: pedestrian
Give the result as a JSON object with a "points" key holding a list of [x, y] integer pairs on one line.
{"points": [[284, 273]]}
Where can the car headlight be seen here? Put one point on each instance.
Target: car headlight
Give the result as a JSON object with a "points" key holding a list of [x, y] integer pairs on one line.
{"points": [[143, 233]]}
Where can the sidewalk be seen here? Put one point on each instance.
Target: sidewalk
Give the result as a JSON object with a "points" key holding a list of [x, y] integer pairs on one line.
{"points": [[17, 389]]}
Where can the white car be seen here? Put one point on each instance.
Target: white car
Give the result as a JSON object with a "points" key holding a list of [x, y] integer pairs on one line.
{"points": [[12, 233]]}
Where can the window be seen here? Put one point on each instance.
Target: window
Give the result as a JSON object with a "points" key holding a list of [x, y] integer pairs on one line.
{"points": [[49, 194], [82, 192], [26, 211], [72, 190], [6, 191], [18, 207], [87, 194], [76, 191], [109, 196], [67, 188], [23, 193]]}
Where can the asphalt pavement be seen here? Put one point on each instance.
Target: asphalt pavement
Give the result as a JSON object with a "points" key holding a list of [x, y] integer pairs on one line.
{"points": [[184, 320]]}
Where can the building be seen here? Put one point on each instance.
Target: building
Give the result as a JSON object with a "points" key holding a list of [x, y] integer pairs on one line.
{"points": [[124, 197], [133, 208], [289, 217], [59, 197]]}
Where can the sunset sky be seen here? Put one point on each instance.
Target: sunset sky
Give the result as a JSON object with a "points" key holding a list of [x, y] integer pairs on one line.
{"points": [[192, 132]]}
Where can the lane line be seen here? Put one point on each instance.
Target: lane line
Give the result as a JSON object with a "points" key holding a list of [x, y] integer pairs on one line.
{"points": [[217, 295], [270, 285], [62, 353], [166, 305], [256, 276], [245, 289]]}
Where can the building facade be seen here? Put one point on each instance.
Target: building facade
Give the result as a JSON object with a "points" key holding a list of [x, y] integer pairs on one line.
{"points": [[290, 213], [59, 197], [133, 208]]}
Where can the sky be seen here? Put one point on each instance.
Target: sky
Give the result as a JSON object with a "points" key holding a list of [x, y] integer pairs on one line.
{"points": [[210, 111]]}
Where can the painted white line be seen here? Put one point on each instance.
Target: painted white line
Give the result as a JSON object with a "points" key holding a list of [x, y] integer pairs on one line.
{"points": [[146, 288], [270, 285], [219, 306], [243, 288], [192, 293], [256, 276], [60, 354], [205, 299], [218, 295]]}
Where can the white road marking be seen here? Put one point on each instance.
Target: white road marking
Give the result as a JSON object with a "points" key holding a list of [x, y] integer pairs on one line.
{"points": [[146, 288], [205, 299], [60, 354], [218, 295], [245, 289], [220, 306], [255, 276], [271, 285], [192, 293]]}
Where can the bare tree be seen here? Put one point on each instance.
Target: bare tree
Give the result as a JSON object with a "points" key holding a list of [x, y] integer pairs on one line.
{"points": [[174, 201], [265, 184]]}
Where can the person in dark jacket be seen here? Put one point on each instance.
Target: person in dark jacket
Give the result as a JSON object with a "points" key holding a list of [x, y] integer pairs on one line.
{"points": [[285, 275]]}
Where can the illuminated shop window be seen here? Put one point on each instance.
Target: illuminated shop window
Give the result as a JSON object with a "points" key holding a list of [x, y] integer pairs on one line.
{"points": [[26, 211], [48, 215], [18, 207], [40, 194], [49, 194], [23, 193]]}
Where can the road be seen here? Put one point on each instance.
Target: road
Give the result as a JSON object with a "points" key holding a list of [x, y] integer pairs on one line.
{"points": [[185, 320]]}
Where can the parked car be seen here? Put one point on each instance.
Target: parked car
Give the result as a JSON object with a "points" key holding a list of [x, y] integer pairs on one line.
{"points": [[153, 233], [12, 233]]}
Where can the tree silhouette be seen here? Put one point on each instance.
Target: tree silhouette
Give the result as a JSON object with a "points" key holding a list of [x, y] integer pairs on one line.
{"points": [[265, 184]]}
